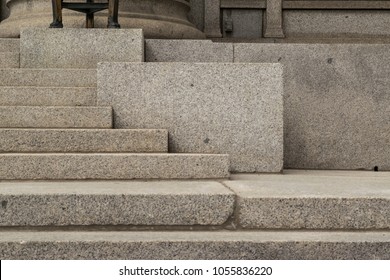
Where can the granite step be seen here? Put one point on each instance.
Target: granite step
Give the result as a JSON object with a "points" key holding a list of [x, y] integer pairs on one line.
{"points": [[266, 245], [112, 166], [48, 77], [9, 45], [47, 96], [9, 60], [55, 117], [83, 140], [155, 203], [317, 202]]}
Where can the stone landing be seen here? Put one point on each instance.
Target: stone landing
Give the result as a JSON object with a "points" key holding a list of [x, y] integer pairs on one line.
{"points": [[298, 215]]}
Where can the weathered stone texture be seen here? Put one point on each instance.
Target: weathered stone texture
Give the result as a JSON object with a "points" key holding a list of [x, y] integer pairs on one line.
{"points": [[79, 48], [336, 103], [227, 108], [115, 203]]}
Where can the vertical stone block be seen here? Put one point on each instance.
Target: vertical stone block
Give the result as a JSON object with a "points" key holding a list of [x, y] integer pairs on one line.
{"points": [[229, 108], [79, 48]]}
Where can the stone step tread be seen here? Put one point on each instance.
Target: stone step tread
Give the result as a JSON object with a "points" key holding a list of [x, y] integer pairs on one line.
{"points": [[115, 203], [84, 140], [9, 60], [194, 245], [47, 96], [55, 117], [313, 202], [69, 166], [9, 45], [48, 77]]}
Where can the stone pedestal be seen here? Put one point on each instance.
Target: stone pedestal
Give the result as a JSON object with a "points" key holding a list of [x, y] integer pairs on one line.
{"points": [[157, 18]]}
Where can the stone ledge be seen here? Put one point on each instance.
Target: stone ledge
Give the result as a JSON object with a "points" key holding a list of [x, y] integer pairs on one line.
{"points": [[112, 166], [115, 203], [270, 245], [79, 48], [83, 140], [313, 202]]}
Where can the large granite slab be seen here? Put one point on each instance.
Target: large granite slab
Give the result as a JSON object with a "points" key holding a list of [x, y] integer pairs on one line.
{"points": [[228, 108], [79, 48], [337, 103], [313, 202], [163, 203], [195, 245]]}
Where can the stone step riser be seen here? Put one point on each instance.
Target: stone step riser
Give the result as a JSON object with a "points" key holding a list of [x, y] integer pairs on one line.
{"points": [[48, 77], [195, 245], [9, 45], [167, 203], [55, 117], [83, 140], [313, 202], [9, 60], [47, 96], [112, 166]]}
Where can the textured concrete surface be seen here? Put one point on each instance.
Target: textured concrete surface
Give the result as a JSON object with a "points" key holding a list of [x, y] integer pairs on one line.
{"points": [[47, 96], [79, 48], [115, 203], [313, 202], [187, 51], [336, 103], [9, 60], [83, 140], [269, 245], [112, 166], [342, 23], [48, 77], [9, 45], [227, 108], [55, 117]]}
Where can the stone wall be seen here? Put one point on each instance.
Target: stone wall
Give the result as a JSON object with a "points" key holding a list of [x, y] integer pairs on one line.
{"points": [[336, 98]]}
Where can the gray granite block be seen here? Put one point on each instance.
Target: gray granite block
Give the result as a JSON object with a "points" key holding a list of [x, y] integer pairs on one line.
{"points": [[114, 166], [9, 45], [55, 117], [221, 245], [228, 108], [185, 203], [9, 60], [313, 202], [337, 106], [83, 140], [332, 23], [79, 48], [48, 77], [47, 96], [187, 51]]}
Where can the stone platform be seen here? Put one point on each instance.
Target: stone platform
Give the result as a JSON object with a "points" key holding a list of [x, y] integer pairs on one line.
{"points": [[331, 215]]}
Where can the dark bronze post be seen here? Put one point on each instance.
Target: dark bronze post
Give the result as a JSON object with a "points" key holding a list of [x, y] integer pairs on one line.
{"points": [[57, 14], [113, 6]]}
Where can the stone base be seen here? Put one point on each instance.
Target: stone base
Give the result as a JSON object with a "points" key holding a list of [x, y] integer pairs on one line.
{"points": [[228, 108], [158, 19], [79, 48]]}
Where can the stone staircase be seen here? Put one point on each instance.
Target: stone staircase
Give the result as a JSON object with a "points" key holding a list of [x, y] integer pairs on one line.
{"points": [[62, 134], [52, 130]]}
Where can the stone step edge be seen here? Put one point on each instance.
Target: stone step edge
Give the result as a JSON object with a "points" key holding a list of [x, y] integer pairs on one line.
{"points": [[47, 96], [69, 140], [121, 166], [194, 245], [158, 203], [56, 117]]}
